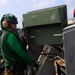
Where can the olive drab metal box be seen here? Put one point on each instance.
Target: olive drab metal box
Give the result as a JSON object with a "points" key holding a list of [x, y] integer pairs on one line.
{"points": [[45, 26]]}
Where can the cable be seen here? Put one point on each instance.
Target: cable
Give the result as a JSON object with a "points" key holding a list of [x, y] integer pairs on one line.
{"points": [[40, 53]]}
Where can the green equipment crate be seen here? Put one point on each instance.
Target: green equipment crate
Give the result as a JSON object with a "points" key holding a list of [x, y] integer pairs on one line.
{"points": [[45, 26]]}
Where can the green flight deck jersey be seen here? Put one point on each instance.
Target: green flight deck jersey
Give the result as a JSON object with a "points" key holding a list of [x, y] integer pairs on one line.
{"points": [[12, 51]]}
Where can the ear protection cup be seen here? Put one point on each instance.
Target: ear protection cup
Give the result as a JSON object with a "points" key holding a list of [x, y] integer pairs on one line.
{"points": [[5, 24]]}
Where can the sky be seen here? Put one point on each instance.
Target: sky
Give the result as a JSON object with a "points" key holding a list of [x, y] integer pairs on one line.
{"points": [[20, 7]]}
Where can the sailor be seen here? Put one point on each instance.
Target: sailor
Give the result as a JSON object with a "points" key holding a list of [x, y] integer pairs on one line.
{"points": [[15, 58]]}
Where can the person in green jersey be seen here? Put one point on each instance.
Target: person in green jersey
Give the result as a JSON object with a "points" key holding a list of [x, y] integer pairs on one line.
{"points": [[15, 58]]}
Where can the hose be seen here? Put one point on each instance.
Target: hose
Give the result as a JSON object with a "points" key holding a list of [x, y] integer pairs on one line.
{"points": [[41, 53]]}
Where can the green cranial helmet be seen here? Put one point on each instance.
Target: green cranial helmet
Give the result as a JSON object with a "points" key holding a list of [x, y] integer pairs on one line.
{"points": [[8, 19]]}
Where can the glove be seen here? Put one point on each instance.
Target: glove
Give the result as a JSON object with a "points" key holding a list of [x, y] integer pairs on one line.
{"points": [[36, 64]]}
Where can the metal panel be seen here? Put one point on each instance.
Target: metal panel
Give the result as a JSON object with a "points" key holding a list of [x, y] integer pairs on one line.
{"points": [[45, 16], [41, 35], [69, 45]]}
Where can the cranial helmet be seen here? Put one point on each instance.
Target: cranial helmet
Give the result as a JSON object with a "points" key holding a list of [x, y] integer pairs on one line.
{"points": [[7, 20]]}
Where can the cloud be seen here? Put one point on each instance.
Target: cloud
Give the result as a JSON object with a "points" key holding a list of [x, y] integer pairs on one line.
{"points": [[69, 2], [42, 3], [3, 2]]}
